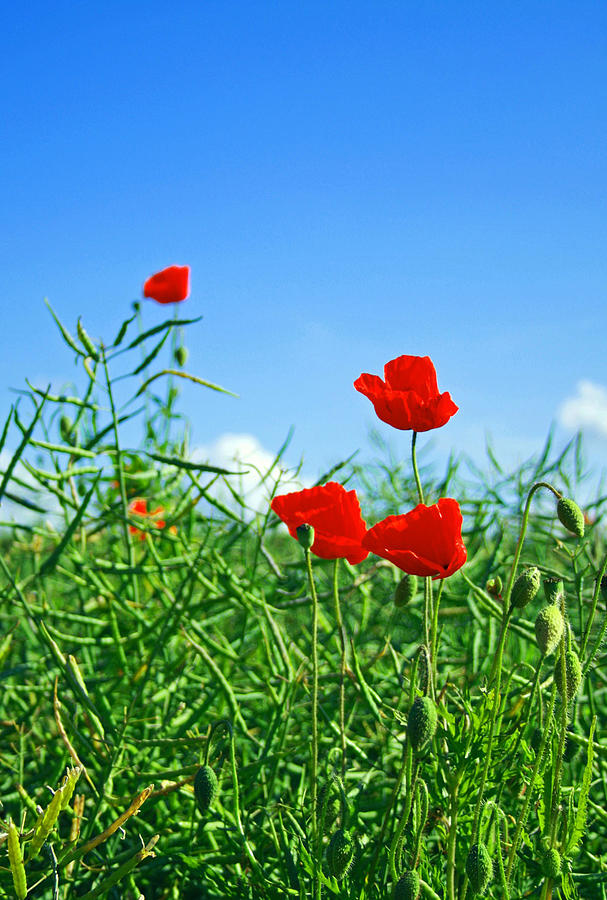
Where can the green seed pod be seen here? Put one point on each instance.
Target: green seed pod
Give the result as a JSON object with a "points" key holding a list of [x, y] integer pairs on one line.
{"points": [[407, 887], [405, 590], [494, 586], [305, 535], [181, 355], [551, 863], [205, 788], [15, 860], [571, 516], [548, 629], [421, 724], [526, 587], [86, 341], [554, 589], [573, 674], [45, 824], [340, 853], [479, 868]]}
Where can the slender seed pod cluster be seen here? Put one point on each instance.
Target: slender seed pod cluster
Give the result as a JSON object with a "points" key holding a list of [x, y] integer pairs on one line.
{"points": [[526, 587], [205, 788], [405, 590], [422, 723], [571, 516], [15, 860], [548, 629], [407, 887], [573, 674], [340, 853], [479, 868]]}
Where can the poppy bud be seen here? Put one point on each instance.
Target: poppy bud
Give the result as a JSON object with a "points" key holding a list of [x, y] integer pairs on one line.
{"points": [[421, 724], [205, 788], [340, 853], [553, 589], [573, 674], [405, 590], [407, 887], [305, 535], [551, 863], [494, 586], [526, 587], [548, 629], [571, 516], [65, 429], [181, 355], [479, 868]]}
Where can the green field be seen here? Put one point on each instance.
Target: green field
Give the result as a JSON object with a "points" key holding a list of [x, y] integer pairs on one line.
{"points": [[141, 643]]}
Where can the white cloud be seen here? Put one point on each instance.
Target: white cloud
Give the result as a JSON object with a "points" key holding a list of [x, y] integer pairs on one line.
{"points": [[587, 409], [259, 471]]}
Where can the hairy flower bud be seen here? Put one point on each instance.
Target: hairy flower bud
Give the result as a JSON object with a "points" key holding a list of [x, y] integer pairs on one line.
{"points": [[407, 887], [553, 589], [205, 788], [181, 355], [573, 674], [551, 863], [340, 853], [305, 535], [525, 587], [548, 629], [421, 724], [479, 868], [571, 516], [405, 590]]}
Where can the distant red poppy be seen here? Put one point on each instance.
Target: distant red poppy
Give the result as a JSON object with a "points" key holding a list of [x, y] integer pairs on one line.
{"points": [[425, 541], [335, 515], [139, 507], [171, 285], [409, 397]]}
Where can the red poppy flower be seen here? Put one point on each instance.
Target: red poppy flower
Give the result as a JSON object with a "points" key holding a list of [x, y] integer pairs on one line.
{"points": [[409, 396], [171, 285], [425, 541], [139, 507], [335, 515]]}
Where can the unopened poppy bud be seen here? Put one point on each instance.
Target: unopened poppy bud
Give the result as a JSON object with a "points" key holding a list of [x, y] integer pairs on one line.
{"points": [[407, 887], [305, 535], [181, 355], [526, 587], [551, 863], [405, 590], [554, 589], [573, 674], [479, 868], [340, 853], [571, 516], [205, 788], [548, 629], [65, 428], [494, 586], [421, 723]]}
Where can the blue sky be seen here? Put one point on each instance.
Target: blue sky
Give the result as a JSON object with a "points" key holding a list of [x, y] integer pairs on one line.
{"points": [[349, 181]]}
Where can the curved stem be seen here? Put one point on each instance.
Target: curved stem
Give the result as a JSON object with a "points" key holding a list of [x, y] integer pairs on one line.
{"points": [[415, 469]]}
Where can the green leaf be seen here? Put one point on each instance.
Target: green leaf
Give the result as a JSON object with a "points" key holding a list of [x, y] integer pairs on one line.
{"points": [[170, 323], [579, 826], [24, 442], [190, 466]]}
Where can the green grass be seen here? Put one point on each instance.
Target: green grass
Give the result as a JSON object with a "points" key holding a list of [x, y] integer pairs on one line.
{"points": [[141, 660]]}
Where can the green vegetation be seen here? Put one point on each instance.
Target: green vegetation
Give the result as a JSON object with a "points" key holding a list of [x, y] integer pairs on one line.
{"points": [[155, 657]]}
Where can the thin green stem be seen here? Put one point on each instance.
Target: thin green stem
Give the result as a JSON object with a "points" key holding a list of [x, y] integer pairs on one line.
{"points": [[342, 667], [415, 469], [452, 839], [314, 765]]}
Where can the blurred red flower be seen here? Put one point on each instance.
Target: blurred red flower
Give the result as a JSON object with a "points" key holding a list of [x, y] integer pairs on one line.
{"points": [[335, 515], [171, 285], [425, 541], [139, 507], [409, 396]]}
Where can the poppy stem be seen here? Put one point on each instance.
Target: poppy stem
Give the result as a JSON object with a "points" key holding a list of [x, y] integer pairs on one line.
{"points": [[415, 469], [342, 667], [314, 766]]}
